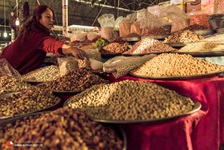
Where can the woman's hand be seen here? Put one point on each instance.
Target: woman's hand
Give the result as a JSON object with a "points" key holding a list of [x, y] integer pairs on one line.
{"points": [[76, 52]]}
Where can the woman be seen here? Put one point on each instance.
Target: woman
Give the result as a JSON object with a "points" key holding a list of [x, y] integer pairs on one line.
{"points": [[29, 50]]}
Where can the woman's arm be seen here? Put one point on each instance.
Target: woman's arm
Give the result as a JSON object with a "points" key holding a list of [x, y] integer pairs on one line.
{"points": [[78, 53]]}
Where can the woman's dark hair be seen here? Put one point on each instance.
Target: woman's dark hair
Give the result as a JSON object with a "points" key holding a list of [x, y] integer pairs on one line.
{"points": [[33, 23]]}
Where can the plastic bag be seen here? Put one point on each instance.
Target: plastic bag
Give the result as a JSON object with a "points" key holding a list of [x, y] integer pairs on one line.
{"points": [[125, 24], [173, 13], [79, 36], [67, 64], [94, 54], [117, 22], [121, 65], [95, 64], [107, 33], [216, 21], [7, 69], [106, 20]]}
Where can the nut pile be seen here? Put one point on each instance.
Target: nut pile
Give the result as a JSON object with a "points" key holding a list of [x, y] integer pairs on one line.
{"points": [[114, 47], [169, 65], [149, 45], [27, 101], [77, 80], [183, 36], [199, 46], [195, 27], [130, 100], [216, 38], [155, 31], [48, 73], [62, 129], [9, 84]]}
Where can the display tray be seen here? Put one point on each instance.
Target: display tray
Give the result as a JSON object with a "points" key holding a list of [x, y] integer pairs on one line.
{"points": [[178, 77], [197, 106], [157, 37], [157, 53], [132, 39], [11, 94], [176, 45], [110, 54], [203, 53], [120, 132]]}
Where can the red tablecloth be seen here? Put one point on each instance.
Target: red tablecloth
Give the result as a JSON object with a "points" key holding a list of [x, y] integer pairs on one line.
{"points": [[203, 130]]}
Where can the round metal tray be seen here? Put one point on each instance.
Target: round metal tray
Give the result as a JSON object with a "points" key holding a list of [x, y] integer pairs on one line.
{"points": [[178, 77], [197, 106], [203, 53], [120, 132], [11, 94]]}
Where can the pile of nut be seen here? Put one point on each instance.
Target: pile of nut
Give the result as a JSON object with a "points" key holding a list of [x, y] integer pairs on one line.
{"points": [[114, 47], [199, 47], [216, 38], [9, 84], [183, 37], [48, 73], [195, 27], [30, 100], [62, 129], [149, 45], [130, 100], [76, 80], [172, 65]]}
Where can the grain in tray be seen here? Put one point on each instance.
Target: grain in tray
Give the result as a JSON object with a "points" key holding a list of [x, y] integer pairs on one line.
{"points": [[76, 80], [47, 73], [183, 36], [62, 129], [26, 101], [149, 45], [176, 65], [9, 84], [199, 46], [215, 38], [130, 100]]}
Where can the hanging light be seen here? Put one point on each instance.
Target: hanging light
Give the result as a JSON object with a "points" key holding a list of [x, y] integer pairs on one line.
{"points": [[17, 13], [5, 33], [17, 21]]}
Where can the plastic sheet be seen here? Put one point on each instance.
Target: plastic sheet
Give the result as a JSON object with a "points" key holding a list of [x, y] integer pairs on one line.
{"points": [[7, 69]]}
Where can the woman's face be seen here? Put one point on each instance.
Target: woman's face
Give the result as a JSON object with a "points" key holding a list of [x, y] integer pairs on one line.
{"points": [[47, 19]]}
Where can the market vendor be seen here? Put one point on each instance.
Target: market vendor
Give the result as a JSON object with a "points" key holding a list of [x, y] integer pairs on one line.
{"points": [[29, 50]]}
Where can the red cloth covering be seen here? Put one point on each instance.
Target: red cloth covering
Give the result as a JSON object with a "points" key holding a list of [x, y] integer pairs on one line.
{"points": [[202, 130], [27, 54]]}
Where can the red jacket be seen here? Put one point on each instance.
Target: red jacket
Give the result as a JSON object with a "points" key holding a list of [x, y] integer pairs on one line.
{"points": [[28, 53]]}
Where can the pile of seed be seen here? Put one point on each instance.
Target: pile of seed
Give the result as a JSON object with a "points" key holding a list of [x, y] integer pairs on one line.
{"points": [[27, 101], [62, 129], [183, 37], [114, 47], [199, 47], [130, 100], [169, 65], [76, 80], [216, 38], [48, 73], [9, 84], [149, 45]]}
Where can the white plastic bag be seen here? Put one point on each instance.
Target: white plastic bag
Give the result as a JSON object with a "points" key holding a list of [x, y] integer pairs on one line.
{"points": [[121, 65]]}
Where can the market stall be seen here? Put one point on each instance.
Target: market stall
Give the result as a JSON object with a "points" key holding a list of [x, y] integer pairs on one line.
{"points": [[143, 87]]}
